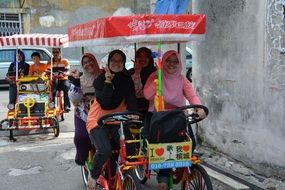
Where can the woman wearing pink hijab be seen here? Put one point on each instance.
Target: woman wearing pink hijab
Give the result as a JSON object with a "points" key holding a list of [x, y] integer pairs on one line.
{"points": [[175, 89], [175, 86]]}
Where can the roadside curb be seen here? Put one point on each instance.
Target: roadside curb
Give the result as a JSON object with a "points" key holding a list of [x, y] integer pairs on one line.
{"points": [[236, 170], [229, 178]]}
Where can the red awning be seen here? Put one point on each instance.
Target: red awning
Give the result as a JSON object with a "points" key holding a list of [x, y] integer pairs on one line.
{"points": [[122, 30]]}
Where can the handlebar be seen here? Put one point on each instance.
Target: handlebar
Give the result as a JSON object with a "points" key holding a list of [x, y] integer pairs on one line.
{"points": [[60, 74], [125, 117], [56, 71], [133, 117], [193, 117], [10, 78]]}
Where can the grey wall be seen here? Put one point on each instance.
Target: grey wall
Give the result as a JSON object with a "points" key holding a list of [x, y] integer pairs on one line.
{"points": [[63, 18], [57, 21], [241, 83]]}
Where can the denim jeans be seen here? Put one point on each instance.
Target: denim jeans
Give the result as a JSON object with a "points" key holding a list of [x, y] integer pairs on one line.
{"points": [[64, 86]]}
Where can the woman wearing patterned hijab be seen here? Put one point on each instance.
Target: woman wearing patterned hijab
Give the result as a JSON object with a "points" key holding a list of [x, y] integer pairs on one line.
{"points": [[143, 67], [81, 93]]}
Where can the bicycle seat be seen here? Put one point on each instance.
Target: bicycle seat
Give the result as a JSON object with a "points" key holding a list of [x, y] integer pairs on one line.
{"points": [[171, 125]]}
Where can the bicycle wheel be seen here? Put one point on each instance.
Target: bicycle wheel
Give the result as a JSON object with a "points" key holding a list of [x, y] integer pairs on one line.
{"points": [[197, 180], [62, 107], [140, 173], [131, 181], [56, 128], [85, 173], [86, 168], [59, 104]]}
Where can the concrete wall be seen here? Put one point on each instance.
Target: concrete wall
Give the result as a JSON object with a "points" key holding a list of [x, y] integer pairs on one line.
{"points": [[9, 3], [242, 82]]}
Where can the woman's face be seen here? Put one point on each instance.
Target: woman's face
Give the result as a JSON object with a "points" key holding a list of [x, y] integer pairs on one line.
{"points": [[116, 63], [19, 57], [143, 59], [88, 64], [171, 64]]}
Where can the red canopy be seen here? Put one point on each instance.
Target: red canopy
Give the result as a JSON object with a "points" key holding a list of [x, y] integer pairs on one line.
{"points": [[43, 40], [117, 30]]}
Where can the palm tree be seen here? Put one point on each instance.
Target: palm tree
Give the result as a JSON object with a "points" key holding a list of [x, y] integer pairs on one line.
{"points": [[169, 148]]}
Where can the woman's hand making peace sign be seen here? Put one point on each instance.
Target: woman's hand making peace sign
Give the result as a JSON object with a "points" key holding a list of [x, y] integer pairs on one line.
{"points": [[108, 75]]}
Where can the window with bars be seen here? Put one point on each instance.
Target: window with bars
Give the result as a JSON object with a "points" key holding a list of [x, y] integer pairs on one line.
{"points": [[11, 24]]}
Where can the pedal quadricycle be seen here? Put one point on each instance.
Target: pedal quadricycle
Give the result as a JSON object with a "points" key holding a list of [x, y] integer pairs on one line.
{"points": [[153, 30], [33, 109]]}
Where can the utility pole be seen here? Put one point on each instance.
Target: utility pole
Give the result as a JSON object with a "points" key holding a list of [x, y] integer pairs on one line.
{"points": [[152, 6]]}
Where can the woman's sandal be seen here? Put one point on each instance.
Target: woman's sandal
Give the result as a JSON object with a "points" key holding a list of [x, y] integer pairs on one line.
{"points": [[92, 184], [162, 186]]}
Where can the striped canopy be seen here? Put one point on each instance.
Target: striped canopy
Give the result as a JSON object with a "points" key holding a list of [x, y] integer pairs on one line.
{"points": [[39, 40]]}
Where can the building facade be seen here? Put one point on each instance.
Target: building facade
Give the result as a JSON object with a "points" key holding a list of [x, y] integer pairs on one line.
{"points": [[240, 76], [53, 16]]}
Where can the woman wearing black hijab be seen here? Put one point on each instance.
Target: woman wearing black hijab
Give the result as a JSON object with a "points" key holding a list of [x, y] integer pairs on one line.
{"points": [[23, 70], [143, 67], [114, 93], [111, 90]]}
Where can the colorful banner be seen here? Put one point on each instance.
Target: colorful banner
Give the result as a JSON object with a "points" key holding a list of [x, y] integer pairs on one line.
{"points": [[137, 28], [169, 155], [36, 97]]}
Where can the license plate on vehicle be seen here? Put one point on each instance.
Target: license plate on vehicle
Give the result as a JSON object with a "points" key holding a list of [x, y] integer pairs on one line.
{"points": [[36, 97]]}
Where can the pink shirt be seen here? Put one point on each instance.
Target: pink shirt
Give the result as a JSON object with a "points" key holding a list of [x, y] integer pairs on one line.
{"points": [[187, 91]]}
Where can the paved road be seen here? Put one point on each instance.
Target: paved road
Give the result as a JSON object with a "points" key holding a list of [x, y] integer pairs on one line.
{"points": [[66, 126], [42, 161], [39, 162]]}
